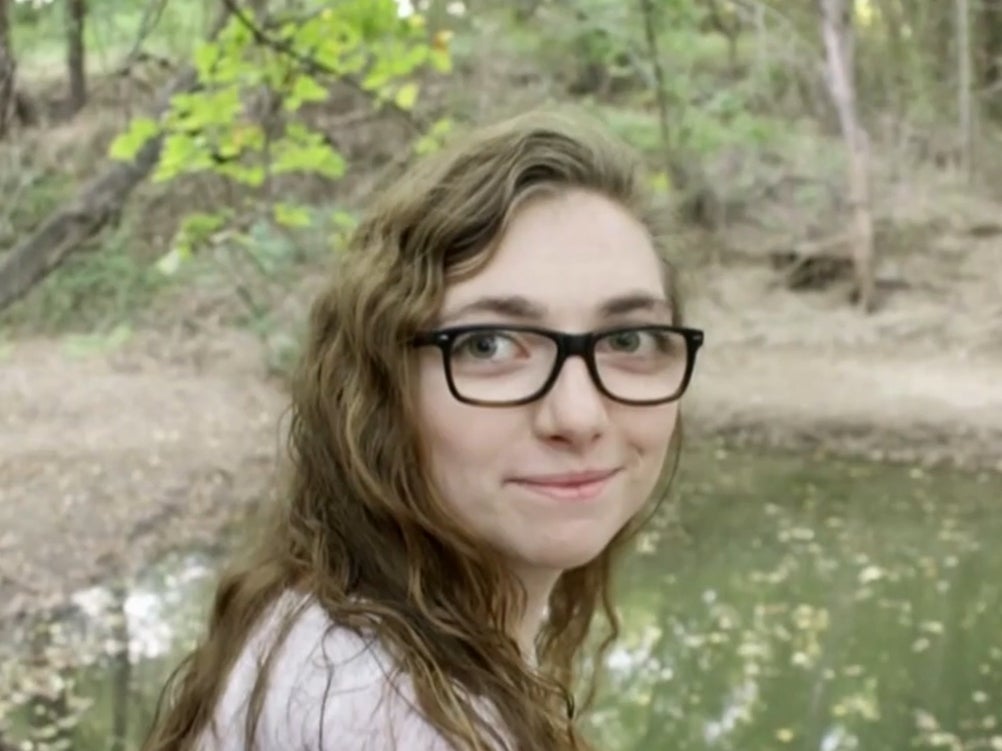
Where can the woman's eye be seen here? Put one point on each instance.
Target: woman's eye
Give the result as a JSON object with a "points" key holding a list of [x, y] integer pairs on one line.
{"points": [[639, 342], [625, 341], [485, 346]]}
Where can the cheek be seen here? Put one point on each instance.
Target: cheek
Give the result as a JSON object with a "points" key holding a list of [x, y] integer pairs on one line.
{"points": [[465, 445], [653, 430], [461, 443], [651, 440], [467, 460]]}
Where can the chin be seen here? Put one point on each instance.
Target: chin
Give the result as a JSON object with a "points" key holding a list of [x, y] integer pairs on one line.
{"points": [[563, 557]]}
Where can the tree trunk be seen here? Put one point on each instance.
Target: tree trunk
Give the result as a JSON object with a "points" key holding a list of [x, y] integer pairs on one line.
{"points": [[76, 59], [7, 69], [97, 202], [965, 84], [121, 670], [698, 202], [836, 32], [933, 34], [989, 45], [902, 75], [728, 25]]}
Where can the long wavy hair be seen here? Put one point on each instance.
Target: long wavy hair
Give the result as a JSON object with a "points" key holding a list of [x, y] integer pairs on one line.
{"points": [[361, 528]]}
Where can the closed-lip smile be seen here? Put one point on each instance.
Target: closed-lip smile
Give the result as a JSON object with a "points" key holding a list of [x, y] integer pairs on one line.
{"points": [[568, 486], [567, 478]]}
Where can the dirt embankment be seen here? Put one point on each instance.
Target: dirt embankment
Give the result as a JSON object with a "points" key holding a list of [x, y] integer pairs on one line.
{"points": [[107, 459], [918, 381]]}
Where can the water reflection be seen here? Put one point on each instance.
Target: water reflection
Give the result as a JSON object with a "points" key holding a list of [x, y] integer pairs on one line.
{"points": [[162, 606], [824, 605]]}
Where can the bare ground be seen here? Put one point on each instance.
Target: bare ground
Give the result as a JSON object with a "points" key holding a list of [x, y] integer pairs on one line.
{"points": [[107, 457], [920, 380]]}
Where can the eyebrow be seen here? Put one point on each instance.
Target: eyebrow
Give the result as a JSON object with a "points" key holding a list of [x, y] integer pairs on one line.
{"points": [[519, 307]]}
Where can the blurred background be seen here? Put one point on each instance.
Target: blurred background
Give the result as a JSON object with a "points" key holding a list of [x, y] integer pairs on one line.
{"points": [[175, 176]]}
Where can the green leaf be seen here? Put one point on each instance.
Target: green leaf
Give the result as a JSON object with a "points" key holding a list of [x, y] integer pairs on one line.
{"points": [[440, 60], [251, 175], [659, 182], [195, 229], [343, 224], [128, 144], [200, 225], [432, 140], [206, 57], [211, 130], [407, 96], [292, 216], [344, 220], [309, 89], [376, 79], [170, 262], [241, 139], [304, 89], [305, 150], [198, 111], [181, 154]]}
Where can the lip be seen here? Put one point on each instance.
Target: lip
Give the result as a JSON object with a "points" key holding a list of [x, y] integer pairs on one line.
{"points": [[568, 486]]}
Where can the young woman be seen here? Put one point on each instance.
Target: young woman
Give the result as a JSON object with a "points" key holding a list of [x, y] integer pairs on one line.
{"points": [[485, 411]]}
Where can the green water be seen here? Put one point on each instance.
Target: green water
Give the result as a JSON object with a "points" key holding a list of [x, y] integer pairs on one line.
{"points": [[778, 602], [797, 603]]}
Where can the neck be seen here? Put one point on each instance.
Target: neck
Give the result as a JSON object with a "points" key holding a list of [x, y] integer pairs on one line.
{"points": [[538, 585]]}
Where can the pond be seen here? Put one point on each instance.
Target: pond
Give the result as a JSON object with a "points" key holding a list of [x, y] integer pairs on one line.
{"points": [[778, 601]]}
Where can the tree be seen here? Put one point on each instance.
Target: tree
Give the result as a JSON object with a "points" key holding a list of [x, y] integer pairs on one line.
{"points": [[7, 69], [696, 200], [965, 83], [989, 55], [76, 62], [211, 122], [96, 204], [837, 35], [294, 60], [121, 668]]}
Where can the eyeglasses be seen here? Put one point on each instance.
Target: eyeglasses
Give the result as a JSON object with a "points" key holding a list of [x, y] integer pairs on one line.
{"points": [[512, 365]]}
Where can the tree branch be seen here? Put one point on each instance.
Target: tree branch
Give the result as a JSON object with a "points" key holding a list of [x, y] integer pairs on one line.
{"points": [[311, 64], [95, 205], [151, 17]]}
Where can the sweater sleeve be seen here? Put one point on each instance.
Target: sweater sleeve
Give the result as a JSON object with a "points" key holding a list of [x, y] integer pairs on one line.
{"points": [[328, 689]]}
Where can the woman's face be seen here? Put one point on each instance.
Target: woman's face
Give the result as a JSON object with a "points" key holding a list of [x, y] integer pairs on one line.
{"points": [[549, 483]]}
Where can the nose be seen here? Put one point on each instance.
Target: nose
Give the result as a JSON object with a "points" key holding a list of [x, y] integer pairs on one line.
{"points": [[573, 411]]}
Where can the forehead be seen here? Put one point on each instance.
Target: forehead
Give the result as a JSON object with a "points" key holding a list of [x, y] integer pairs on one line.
{"points": [[568, 253]]}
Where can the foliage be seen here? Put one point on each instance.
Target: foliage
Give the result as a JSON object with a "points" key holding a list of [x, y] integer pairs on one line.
{"points": [[604, 41], [244, 123], [168, 29], [742, 79], [98, 291]]}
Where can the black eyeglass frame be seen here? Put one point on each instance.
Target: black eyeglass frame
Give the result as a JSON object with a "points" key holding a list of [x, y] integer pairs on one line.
{"points": [[568, 345]]}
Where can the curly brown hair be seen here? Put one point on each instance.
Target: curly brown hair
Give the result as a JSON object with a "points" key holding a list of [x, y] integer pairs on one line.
{"points": [[361, 528]]}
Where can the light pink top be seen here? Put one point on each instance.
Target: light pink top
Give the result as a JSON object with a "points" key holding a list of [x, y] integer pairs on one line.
{"points": [[360, 709]]}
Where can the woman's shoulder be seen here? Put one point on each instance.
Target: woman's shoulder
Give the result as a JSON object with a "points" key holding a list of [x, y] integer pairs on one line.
{"points": [[328, 687]]}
